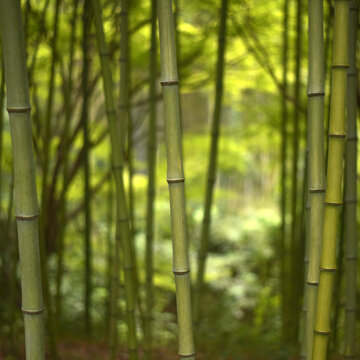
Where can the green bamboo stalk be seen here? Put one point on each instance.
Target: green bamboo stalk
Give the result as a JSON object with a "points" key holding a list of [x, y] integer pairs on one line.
{"points": [[44, 191], [65, 171], [294, 294], [283, 176], [350, 188], [26, 207], [333, 195], [117, 161], [316, 92], [151, 187], [86, 165], [211, 172], [175, 178]]}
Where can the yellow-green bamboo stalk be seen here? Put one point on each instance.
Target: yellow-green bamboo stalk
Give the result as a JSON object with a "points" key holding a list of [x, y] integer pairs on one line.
{"points": [[151, 187], [350, 188], [117, 162], [316, 92], [26, 207], [211, 172], [333, 195], [86, 165], [175, 178]]}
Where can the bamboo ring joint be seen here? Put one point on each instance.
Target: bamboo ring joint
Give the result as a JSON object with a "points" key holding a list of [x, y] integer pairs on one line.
{"points": [[351, 258], [181, 272], [322, 332], [26, 217], [352, 138], [340, 66], [312, 283], [318, 93], [328, 270], [317, 190], [350, 201], [104, 53], [110, 112], [32, 312], [175, 180], [20, 109], [350, 310], [333, 203], [338, 136], [352, 74], [169, 82], [187, 356]]}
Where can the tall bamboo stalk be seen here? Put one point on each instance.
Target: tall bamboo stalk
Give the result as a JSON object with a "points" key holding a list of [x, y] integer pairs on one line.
{"points": [[211, 172], [151, 187], [333, 195], [175, 177], [350, 188], [87, 209], [316, 92], [66, 135], [44, 191], [295, 245], [284, 119], [122, 211], [26, 207]]}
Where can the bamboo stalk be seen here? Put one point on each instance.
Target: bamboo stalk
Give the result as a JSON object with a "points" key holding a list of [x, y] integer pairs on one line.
{"points": [[284, 119], [295, 241], [123, 225], [333, 195], [316, 92], [26, 207], [211, 172], [350, 188], [151, 187], [175, 178], [86, 165], [65, 171]]}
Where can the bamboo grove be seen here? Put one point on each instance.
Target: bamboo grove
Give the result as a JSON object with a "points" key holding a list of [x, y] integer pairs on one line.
{"points": [[179, 179]]}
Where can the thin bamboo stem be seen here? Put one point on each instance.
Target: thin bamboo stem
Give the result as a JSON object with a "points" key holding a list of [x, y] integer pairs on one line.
{"points": [[316, 92], [333, 195], [175, 178], [26, 207], [123, 225], [211, 172], [350, 188], [151, 187]]}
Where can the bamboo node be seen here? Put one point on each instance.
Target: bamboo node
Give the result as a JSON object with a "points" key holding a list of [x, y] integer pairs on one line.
{"points": [[352, 74], [123, 59], [312, 283], [123, 13], [340, 66], [128, 267], [352, 9], [110, 112], [104, 53], [169, 82], [333, 203], [350, 356], [175, 180], [328, 270], [316, 190], [351, 258], [187, 356], [338, 136], [317, 93], [352, 138], [19, 109], [26, 217], [124, 107], [32, 312], [181, 272], [322, 332]]}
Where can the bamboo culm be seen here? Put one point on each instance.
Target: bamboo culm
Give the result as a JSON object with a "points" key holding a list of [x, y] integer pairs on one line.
{"points": [[316, 92], [333, 194], [86, 165], [151, 188], [123, 226], [26, 207], [211, 172], [175, 178], [350, 189]]}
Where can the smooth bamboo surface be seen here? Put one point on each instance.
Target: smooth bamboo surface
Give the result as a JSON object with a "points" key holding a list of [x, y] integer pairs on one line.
{"points": [[26, 206], [175, 178]]}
